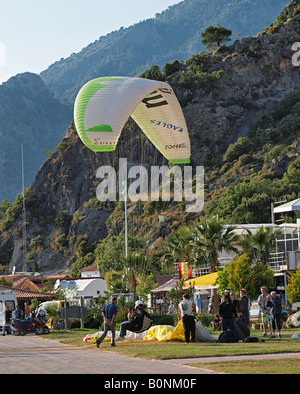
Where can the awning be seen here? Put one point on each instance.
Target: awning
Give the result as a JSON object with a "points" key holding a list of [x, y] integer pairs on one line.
{"points": [[289, 206], [205, 280]]}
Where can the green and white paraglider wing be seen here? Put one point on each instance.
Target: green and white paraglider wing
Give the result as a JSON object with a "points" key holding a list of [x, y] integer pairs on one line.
{"points": [[103, 105]]}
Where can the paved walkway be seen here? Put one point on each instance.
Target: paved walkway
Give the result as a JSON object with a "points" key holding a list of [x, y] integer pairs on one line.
{"points": [[34, 355]]}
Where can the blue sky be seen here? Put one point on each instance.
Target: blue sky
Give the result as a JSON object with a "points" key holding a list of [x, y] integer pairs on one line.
{"points": [[36, 33]]}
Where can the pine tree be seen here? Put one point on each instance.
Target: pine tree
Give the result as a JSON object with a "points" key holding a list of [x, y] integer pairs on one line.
{"points": [[213, 37]]}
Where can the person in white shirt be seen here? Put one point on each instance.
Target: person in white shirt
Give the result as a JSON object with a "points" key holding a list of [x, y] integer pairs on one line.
{"points": [[188, 320], [265, 309]]}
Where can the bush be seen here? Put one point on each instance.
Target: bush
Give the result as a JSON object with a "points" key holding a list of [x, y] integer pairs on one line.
{"points": [[37, 241], [200, 62], [63, 220], [61, 241], [280, 125], [205, 318], [171, 68], [239, 148], [202, 79], [95, 318], [153, 73], [164, 320], [293, 288]]}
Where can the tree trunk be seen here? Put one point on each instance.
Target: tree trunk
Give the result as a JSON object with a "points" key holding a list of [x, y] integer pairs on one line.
{"points": [[215, 300]]}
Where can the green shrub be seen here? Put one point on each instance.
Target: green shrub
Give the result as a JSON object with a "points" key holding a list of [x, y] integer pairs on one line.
{"points": [[202, 79], [200, 62], [239, 148], [63, 220], [171, 68], [293, 288], [153, 73], [37, 241], [61, 241], [205, 318], [163, 320]]}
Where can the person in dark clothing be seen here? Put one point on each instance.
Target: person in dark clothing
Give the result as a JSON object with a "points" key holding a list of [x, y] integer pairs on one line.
{"points": [[109, 313], [227, 313], [136, 323], [8, 316], [188, 319], [233, 299], [243, 307], [275, 303]]}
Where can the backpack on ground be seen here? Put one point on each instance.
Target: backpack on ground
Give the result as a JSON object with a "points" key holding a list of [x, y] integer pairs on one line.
{"points": [[253, 339], [228, 337]]}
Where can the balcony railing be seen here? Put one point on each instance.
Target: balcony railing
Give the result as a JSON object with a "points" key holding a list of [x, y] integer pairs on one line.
{"points": [[277, 261]]}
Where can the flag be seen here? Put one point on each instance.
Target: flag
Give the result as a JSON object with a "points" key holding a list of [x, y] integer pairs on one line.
{"points": [[184, 271]]}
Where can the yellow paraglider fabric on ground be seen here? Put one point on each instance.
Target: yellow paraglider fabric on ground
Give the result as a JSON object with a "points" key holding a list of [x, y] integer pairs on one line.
{"points": [[178, 333], [159, 333], [165, 333], [169, 333]]}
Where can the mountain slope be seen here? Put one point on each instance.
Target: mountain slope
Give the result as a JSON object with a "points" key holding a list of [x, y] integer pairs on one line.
{"points": [[243, 126], [29, 115], [173, 34]]}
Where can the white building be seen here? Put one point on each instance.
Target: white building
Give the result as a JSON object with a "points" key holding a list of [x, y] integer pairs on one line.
{"points": [[91, 271], [90, 287]]}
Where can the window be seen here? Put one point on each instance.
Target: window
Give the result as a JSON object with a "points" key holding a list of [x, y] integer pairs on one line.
{"points": [[10, 304]]}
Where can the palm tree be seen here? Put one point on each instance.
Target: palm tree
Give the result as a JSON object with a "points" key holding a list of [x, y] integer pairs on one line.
{"points": [[52, 315], [259, 245], [178, 247], [210, 238], [135, 265], [114, 281]]}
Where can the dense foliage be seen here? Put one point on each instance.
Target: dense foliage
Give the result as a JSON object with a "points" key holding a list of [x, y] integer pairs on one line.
{"points": [[293, 288]]}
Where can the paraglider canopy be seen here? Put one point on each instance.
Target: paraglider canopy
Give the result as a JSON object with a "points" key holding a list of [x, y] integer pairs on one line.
{"points": [[103, 105]]}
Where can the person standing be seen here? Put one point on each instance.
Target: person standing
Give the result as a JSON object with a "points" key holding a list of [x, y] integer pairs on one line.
{"points": [[8, 316], [188, 320], [227, 313], [243, 307], [275, 303], [264, 309], [234, 300], [109, 313]]}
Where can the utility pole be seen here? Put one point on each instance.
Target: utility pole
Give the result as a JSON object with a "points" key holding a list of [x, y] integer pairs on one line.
{"points": [[23, 213]]}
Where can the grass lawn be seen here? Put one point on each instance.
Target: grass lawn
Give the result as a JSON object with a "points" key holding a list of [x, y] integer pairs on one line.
{"points": [[264, 367], [168, 350]]}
